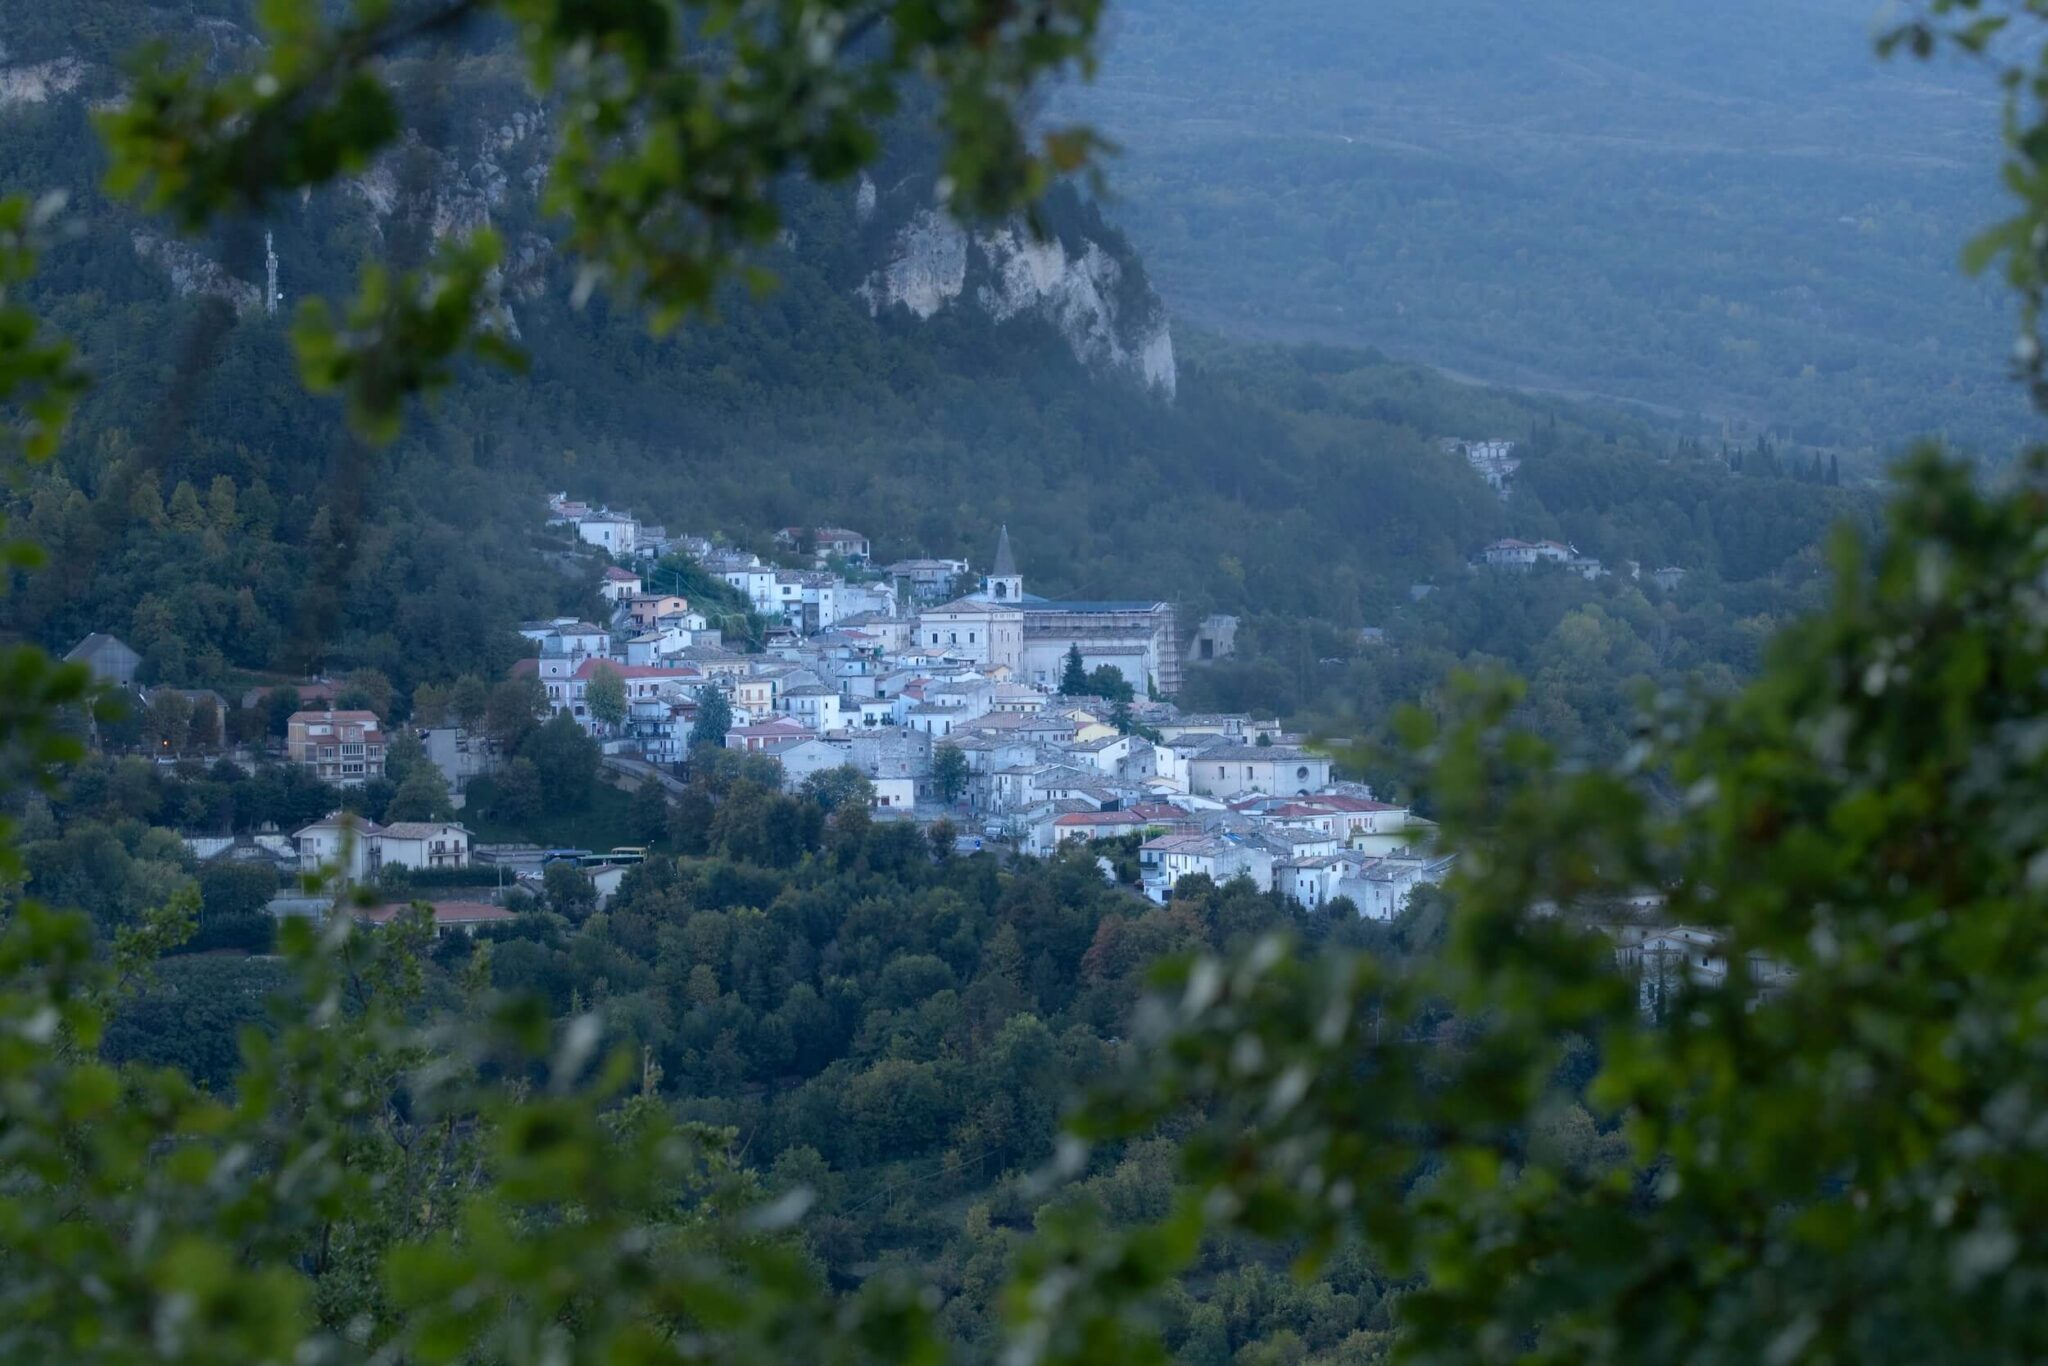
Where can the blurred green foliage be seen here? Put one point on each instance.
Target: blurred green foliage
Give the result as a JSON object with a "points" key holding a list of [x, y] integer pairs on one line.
{"points": [[1821, 1147]]}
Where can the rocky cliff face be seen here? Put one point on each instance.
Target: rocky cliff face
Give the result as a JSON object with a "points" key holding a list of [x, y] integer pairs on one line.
{"points": [[191, 272], [488, 167], [35, 82], [1111, 321]]}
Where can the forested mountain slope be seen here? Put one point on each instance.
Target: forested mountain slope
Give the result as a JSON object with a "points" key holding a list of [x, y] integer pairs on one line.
{"points": [[901, 378], [1731, 208]]}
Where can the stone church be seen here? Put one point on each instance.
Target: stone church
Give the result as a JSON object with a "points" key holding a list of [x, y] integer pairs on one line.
{"points": [[1004, 626]]}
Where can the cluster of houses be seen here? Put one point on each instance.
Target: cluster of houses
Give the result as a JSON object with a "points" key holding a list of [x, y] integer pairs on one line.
{"points": [[1219, 795], [1522, 556], [843, 650], [618, 534], [940, 686], [1496, 461], [347, 852], [1317, 849], [883, 669], [1515, 556]]}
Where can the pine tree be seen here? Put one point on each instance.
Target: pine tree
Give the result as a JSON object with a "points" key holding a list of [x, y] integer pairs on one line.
{"points": [[605, 695], [146, 501], [714, 719], [949, 772], [1074, 679], [220, 503], [186, 513]]}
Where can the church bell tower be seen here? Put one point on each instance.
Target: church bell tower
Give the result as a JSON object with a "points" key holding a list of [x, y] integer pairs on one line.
{"points": [[1005, 584]]}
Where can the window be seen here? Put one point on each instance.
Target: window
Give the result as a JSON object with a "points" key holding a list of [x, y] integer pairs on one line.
{"points": [[1301, 772]]}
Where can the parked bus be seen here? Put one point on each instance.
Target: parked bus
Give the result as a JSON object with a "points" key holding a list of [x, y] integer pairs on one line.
{"points": [[615, 858]]}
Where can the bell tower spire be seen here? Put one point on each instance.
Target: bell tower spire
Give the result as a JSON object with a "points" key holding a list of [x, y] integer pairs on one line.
{"points": [[1005, 584]]}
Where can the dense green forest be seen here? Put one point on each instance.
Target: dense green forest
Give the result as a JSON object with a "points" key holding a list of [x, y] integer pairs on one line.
{"points": [[1748, 526], [891, 1028], [1729, 209]]}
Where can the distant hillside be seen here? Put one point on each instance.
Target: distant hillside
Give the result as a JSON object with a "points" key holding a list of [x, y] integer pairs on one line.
{"points": [[1731, 208], [906, 378]]}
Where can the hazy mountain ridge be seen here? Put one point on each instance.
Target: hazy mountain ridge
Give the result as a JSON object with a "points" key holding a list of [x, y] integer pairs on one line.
{"points": [[1733, 209]]}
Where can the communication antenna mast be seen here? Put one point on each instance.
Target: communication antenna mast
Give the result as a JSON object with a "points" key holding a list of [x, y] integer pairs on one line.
{"points": [[270, 296]]}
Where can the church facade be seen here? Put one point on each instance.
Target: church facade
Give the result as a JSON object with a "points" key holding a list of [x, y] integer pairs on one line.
{"points": [[1004, 625], [983, 633]]}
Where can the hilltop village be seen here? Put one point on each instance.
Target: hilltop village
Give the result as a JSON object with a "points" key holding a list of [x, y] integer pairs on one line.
{"points": [[1028, 722], [945, 693]]}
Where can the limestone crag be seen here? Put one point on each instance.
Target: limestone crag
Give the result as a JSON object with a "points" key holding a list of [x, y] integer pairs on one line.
{"points": [[190, 272], [1110, 323], [37, 82]]}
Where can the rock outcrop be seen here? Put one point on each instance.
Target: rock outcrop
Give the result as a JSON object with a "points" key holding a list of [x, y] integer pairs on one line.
{"points": [[191, 273], [1110, 322], [37, 82]]}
